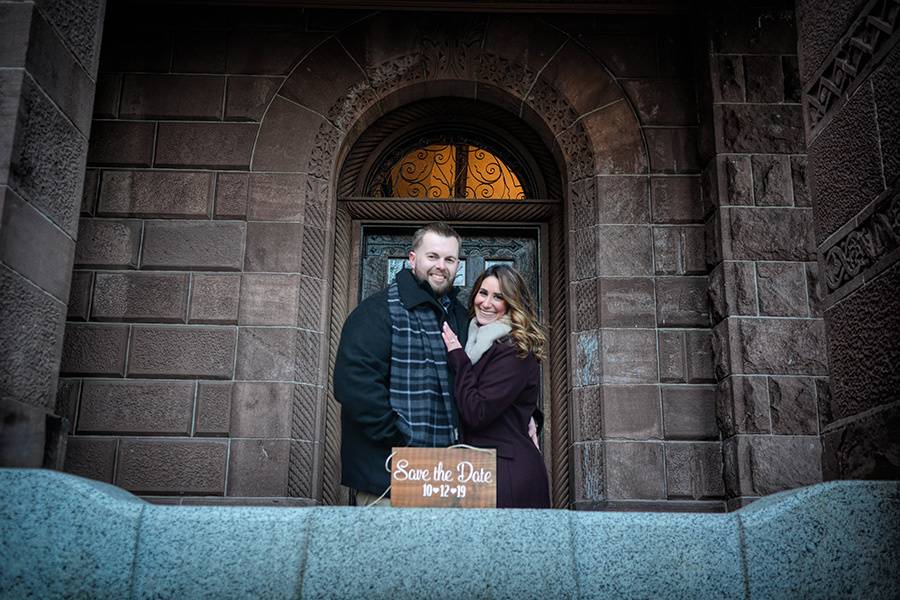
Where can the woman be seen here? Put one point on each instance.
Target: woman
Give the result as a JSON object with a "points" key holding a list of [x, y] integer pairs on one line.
{"points": [[497, 382]]}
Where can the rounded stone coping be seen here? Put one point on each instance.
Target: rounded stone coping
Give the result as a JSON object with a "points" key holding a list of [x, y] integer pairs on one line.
{"points": [[63, 536]]}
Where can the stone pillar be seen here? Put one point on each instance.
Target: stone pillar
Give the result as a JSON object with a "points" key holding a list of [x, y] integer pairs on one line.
{"points": [[769, 336], [850, 74], [48, 63]]}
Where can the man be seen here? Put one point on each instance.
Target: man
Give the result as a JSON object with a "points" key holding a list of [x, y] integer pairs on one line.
{"points": [[391, 375]]}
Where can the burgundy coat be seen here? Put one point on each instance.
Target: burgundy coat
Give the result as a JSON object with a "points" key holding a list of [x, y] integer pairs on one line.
{"points": [[496, 397]]}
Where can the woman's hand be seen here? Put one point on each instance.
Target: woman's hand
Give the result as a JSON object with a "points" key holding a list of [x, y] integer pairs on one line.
{"points": [[450, 339]]}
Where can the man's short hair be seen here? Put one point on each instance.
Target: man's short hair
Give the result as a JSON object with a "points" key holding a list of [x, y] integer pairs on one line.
{"points": [[440, 228]]}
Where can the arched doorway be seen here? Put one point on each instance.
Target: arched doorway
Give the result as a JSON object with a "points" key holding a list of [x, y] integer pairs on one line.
{"points": [[427, 161]]}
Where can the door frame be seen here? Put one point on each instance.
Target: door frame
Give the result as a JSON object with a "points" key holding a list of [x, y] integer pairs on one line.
{"points": [[353, 213]]}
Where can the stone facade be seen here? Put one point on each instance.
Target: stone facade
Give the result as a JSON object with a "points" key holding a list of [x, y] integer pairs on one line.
{"points": [[48, 74], [205, 294], [850, 74]]}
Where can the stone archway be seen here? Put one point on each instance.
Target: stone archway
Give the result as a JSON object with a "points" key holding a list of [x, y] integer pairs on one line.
{"points": [[522, 64]]}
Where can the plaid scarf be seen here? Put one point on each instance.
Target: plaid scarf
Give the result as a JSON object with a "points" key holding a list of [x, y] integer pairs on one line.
{"points": [[420, 389]]}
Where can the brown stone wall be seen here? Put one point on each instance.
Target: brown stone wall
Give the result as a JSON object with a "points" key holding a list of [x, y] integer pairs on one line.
{"points": [[850, 66], [48, 67], [194, 359], [769, 336]]}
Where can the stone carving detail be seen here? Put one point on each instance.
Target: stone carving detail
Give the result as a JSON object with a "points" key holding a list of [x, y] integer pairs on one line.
{"points": [[448, 52], [505, 74], [327, 141], [866, 244], [868, 36]]}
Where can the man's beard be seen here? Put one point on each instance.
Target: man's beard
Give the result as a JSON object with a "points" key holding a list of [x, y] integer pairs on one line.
{"points": [[438, 291]]}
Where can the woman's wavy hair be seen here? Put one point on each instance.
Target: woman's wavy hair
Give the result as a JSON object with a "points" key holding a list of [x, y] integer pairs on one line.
{"points": [[527, 331]]}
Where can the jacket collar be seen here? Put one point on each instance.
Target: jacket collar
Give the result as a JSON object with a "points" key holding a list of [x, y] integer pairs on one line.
{"points": [[414, 293]]}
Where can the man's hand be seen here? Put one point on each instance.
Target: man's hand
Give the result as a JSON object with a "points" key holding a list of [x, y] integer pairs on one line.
{"points": [[532, 433], [450, 339]]}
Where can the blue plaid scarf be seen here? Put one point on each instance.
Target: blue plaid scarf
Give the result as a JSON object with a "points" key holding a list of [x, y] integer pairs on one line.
{"points": [[420, 389]]}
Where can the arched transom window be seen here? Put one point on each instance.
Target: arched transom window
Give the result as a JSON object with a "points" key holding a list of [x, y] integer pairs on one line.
{"points": [[448, 170]]}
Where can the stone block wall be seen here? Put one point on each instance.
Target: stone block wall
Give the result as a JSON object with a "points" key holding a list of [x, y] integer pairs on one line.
{"points": [[48, 72], [764, 285], [193, 361], [850, 80], [643, 397]]}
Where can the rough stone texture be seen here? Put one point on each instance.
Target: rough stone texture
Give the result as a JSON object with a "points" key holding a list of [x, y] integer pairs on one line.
{"points": [[631, 412], [689, 412], [845, 164], [140, 297], [122, 144], [864, 347], [91, 457], [776, 346], [663, 102], [586, 403], [261, 410], [213, 416], [623, 251], [33, 246], [886, 89], [672, 368], [694, 470], [80, 296], [89, 195], [94, 349], [584, 254], [194, 97], [793, 405], [699, 356], [268, 299], [728, 78], [676, 200], [864, 448], [760, 128], [266, 354], [819, 26], [44, 151], [215, 298], [136, 407], [172, 466], [679, 250], [231, 195], [188, 351], [584, 296], [742, 405], [248, 97], [772, 180], [625, 303], [635, 470], [108, 243], [583, 202], [276, 197], [588, 481], [624, 200], [258, 468], [673, 150], [682, 302], [767, 234], [800, 181], [192, 245], [273, 247], [732, 290], [285, 142], [629, 356], [25, 431], [782, 289], [205, 145], [745, 29], [760, 465], [765, 81], [615, 129], [735, 180], [155, 194]]}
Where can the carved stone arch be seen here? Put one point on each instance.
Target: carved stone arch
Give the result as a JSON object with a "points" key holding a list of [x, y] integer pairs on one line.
{"points": [[355, 77]]}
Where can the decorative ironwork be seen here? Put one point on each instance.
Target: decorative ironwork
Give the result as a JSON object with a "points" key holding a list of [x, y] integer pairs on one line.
{"points": [[865, 245], [869, 37], [447, 170]]}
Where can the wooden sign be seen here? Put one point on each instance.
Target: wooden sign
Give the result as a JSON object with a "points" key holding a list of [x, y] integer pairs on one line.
{"points": [[444, 478]]}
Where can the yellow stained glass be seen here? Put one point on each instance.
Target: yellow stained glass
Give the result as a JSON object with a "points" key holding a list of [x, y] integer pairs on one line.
{"points": [[452, 171]]}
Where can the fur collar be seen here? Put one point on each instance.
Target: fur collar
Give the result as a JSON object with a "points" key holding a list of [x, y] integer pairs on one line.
{"points": [[482, 336]]}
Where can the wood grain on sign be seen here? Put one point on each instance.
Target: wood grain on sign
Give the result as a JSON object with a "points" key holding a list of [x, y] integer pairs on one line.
{"points": [[444, 478]]}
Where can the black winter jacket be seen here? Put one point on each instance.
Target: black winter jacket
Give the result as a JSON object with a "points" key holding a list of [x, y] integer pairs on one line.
{"points": [[362, 377]]}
